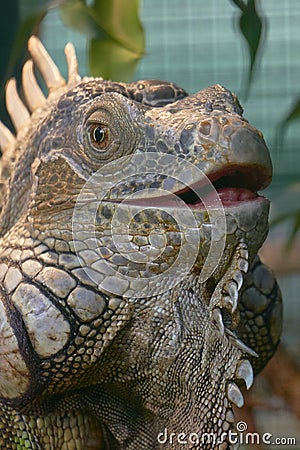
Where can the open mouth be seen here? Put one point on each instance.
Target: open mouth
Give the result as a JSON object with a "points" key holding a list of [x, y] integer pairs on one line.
{"points": [[228, 186], [232, 185]]}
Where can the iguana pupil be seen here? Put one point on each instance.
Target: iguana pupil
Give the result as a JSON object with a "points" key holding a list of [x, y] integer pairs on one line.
{"points": [[98, 134]]}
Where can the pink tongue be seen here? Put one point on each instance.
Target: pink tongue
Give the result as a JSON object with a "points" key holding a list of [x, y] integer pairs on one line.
{"points": [[228, 197]]}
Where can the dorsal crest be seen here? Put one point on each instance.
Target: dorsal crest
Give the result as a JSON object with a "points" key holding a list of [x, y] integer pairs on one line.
{"points": [[20, 112], [24, 113]]}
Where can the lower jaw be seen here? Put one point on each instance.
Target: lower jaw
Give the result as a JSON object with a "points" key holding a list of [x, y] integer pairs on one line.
{"points": [[245, 221]]}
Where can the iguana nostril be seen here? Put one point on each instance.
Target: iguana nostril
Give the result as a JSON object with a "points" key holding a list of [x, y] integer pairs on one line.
{"points": [[205, 127]]}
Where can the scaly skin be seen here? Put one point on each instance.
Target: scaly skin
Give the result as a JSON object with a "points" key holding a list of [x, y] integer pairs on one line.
{"points": [[129, 311]]}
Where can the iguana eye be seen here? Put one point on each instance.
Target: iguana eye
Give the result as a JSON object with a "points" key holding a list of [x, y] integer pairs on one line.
{"points": [[99, 136]]}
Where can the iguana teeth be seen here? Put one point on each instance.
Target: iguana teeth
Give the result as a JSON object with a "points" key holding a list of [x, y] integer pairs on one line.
{"points": [[217, 315], [73, 75], [227, 302], [243, 265], [242, 262], [6, 137], [238, 278], [231, 282], [17, 110], [244, 372], [46, 65], [243, 245], [232, 289], [244, 251], [32, 92], [234, 394], [240, 344]]}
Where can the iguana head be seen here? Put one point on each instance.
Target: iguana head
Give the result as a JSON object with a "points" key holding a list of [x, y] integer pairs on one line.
{"points": [[139, 206]]}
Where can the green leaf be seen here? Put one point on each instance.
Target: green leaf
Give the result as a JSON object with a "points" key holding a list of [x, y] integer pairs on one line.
{"points": [[115, 33], [116, 56], [120, 20], [111, 60], [292, 216], [295, 229], [29, 8], [292, 115], [31, 14], [252, 26], [77, 15], [285, 209]]}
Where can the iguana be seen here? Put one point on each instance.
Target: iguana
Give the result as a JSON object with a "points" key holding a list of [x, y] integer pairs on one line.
{"points": [[133, 303]]}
